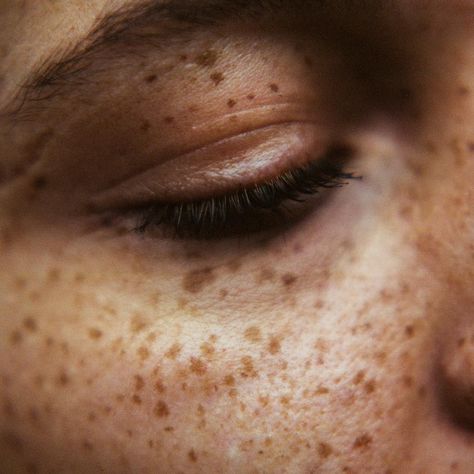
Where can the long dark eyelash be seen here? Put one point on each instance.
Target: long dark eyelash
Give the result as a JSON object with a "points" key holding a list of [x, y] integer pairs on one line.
{"points": [[211, 217]]}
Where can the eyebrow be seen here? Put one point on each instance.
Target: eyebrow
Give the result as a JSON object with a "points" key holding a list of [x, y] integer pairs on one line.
{"points": [[127, 30]]}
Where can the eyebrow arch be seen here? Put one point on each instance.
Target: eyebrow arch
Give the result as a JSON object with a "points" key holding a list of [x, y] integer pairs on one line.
{"points": [[126, 30]]}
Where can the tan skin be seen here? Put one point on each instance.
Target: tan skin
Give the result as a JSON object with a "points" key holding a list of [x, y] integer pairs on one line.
{"points": [[341, 342]]}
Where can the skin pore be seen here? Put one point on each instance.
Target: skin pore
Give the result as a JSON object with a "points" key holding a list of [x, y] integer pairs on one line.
{"points": [[341, 341]]}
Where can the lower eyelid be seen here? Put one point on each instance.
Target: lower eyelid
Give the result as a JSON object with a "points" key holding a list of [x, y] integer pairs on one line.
{"points": [[222, 167]]}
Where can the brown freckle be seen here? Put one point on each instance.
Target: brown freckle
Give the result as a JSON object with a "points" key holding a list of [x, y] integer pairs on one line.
{"points": [[229, 380], [289, 279], [145, 126], [217, 78], [265, 275], [137, 324], [251, 97], [196, 280], [139, 382], [136, 399], [151, 78], [169, 429], [274, 87], [120, 398], [161, 409], [409, 331], [169, 119], [39, 182], [173, 351], [253, 334], [359, 377], [91, 417], [207, 58], [63, 379], [207, 349], [224, 293], [247, 369], [192, 456], [231, 103], [321, 391], [16, 337], [463, 91], [95, 333], [159, 387], [32, 468], [285, 401], [370, 386], [324, 450], [407, 381], [274, 346], [362, 442], [197, 366], [143, 352], [30, 324], [87, 445], [232, 393], [470, 147]]}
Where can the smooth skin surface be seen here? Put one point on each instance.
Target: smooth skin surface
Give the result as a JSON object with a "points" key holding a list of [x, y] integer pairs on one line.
{"points": [[342, 342]]}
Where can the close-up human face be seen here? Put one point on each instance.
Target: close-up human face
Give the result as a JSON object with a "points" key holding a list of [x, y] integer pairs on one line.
{"points": [[237, 236]]}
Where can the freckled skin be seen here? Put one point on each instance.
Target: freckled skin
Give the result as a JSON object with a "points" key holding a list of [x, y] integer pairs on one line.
{"points": [[343, 343]]}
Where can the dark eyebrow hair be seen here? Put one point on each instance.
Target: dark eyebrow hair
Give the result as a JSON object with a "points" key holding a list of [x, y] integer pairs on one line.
{"points": [[126, 30]]}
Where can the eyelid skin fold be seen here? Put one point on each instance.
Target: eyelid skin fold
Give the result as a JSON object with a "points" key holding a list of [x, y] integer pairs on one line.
{"points": [[222, 167]]}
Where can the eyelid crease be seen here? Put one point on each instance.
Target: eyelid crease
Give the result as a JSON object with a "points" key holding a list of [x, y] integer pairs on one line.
{"points": [[269, 150]]}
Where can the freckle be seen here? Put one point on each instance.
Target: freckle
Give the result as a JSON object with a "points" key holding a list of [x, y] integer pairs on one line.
{"points": [[247, 369], [151, 78], [285, 401], [251, 97], [159, 387], [233, 393], [289, 279], [139, 382], [39, 182], [407, 381], [409, 331], [229, 380], [207, 349], [359, 377], [136, 399], [463, 91], [217, 78], [63, 379], [324, 450], [274, 346], [196, 280], [370, 386], [138, 324], [173, 351], [231, 103], [253, 334], [151, 337], [143, 352], [183, 57], [145, 126], [321, 391], [193, 108], [223, 293], [207, 58], [32, 468], [169, 119], [16, 337], [197, 366], [192, 456], [87, 445], [274, 87], [95, 333], [362, 442], [161, 409], [308, 61], [91, 417], [30, 324]]}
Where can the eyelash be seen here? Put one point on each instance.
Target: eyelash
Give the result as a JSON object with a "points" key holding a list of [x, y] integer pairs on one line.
{"points": [[247, 209]]}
